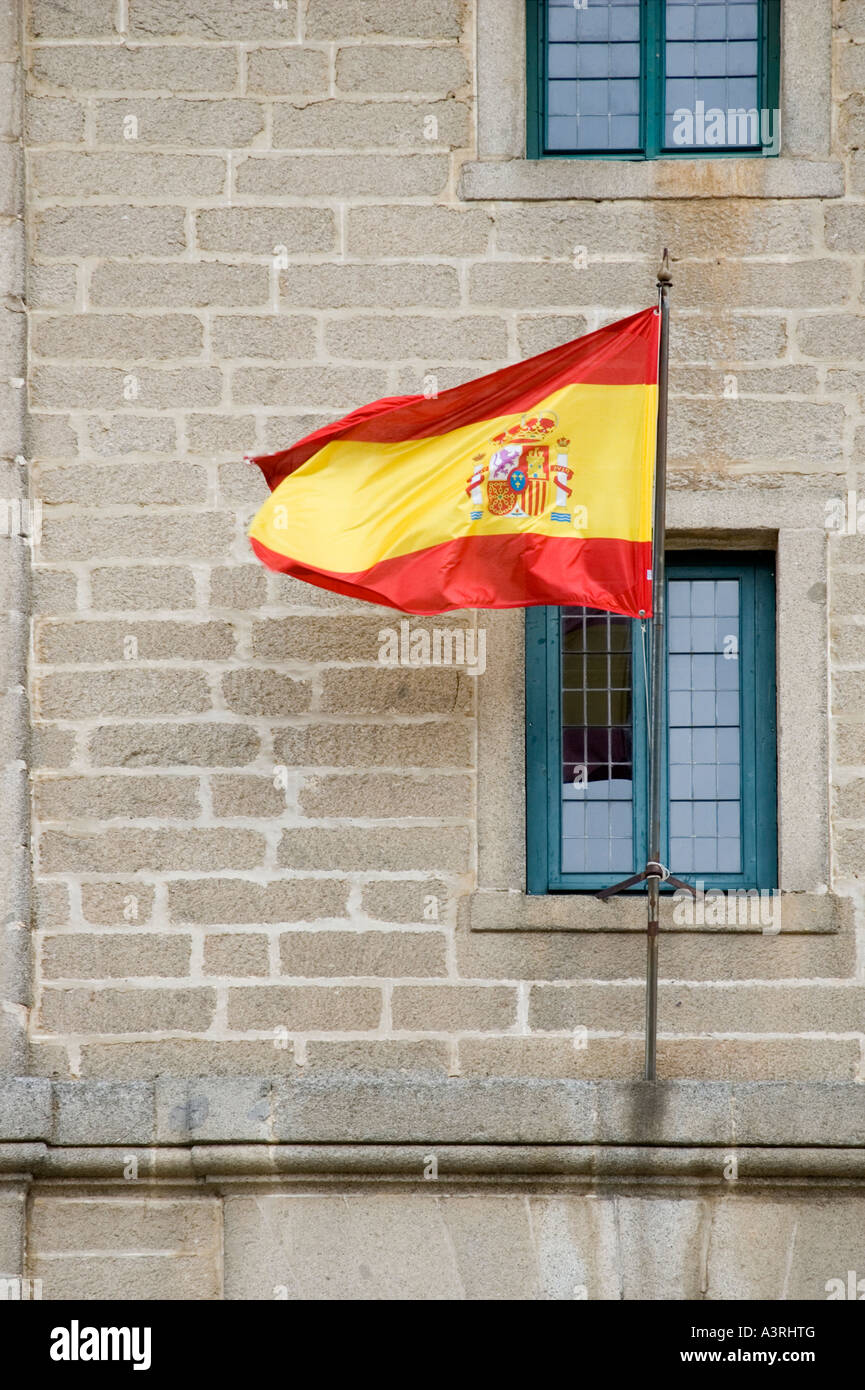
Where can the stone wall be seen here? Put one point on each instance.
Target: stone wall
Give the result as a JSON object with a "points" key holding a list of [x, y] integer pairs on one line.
{"points": [[240, 227], [365, 1188], [257, 853]]}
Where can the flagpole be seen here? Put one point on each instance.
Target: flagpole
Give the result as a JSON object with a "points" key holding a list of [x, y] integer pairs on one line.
{"points": [[656, 720]]}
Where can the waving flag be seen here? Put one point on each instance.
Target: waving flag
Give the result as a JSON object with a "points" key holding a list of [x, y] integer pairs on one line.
{"points": [[529, 486]]}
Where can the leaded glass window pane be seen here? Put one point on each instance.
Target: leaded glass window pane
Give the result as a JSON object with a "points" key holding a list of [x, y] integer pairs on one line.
{"points": [[655, 77], [712, 74], [704, 726], [593, 75], [597, 742]]}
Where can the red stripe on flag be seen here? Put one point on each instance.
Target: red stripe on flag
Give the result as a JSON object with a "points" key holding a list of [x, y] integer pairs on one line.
{"points": [[496, 572]]}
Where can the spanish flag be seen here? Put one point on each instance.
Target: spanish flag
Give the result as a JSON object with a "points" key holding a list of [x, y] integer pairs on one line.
{"points": [[532, 485]]}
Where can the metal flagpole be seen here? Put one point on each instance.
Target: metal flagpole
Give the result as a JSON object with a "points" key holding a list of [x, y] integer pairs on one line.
{"points": [[654, 874], [655, 871]]}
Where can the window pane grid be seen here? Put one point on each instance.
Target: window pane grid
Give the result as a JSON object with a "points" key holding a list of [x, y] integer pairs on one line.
{"points": [[704, 747], [601, 95], [704, 755], [597, 767], [712, 56], [593, 75], [587, 766]]}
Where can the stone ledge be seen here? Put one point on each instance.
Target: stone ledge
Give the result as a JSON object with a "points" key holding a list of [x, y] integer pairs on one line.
{"points": [[394, 1108], [553, 180], [405, 1163]]}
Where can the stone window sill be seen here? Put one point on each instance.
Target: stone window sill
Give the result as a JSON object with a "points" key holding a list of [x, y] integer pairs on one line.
{"points": [[564, 179]]}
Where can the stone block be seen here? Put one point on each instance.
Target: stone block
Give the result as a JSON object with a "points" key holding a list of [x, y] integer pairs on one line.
{"points": [[386, 795], [784, 1250], [276, 71], [118, 68], [139, 587], [115, 955], [388, 68], [233, 901], [258, 231], [96, 642], [429, 744], [367, 953], [146, 538], [112, 1010], [236, 954], [260, 692], [103, 1112], [304, 1008], [124, 230], [25, 1108], [212, 1110], [107, 336], [148, 484], [69, 174], [132, 693], [199, 285], [403, 125], [464, 1008], [224, 744], [316, 175], [73, 20], [218, 124], [481, 337], [112, 904], [284, 338], [340, 1108], [390, 848], [225, 19]]}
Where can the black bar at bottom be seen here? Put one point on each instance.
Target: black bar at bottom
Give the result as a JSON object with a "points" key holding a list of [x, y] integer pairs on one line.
{"points": [[222, 1339]]}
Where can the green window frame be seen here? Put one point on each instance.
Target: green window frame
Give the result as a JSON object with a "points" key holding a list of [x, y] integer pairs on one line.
{"points": [[545, 759], [652, 80]]}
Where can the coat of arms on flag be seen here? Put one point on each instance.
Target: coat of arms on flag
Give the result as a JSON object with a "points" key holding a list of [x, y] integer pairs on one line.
{"points": [[521, 473]]}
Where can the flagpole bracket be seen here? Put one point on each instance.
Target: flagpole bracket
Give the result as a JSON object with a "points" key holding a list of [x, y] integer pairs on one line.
{"points": [[653, 870]]}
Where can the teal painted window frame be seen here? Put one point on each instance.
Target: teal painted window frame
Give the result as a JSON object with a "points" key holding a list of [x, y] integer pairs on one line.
{"points": [[755, 571], [652, 79]]}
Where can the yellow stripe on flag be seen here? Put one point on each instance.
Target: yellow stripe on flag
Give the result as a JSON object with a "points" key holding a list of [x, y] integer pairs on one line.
{"points": [[355, 503]]}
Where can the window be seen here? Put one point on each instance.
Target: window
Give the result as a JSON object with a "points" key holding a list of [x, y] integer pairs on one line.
{"points": [[586, 706], [653, 78]]}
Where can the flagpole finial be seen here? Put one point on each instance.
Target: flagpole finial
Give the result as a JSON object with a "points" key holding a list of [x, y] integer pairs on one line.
{"points": [[665, 269]]}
